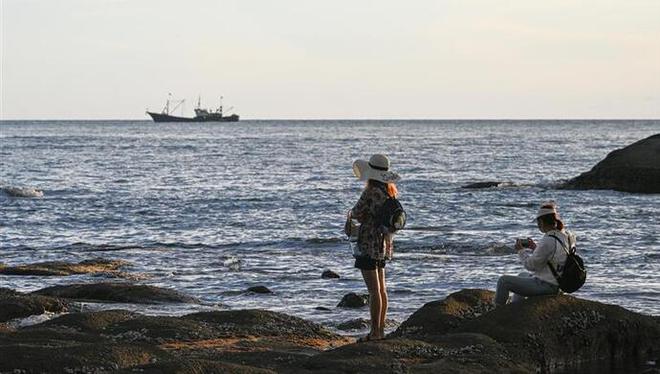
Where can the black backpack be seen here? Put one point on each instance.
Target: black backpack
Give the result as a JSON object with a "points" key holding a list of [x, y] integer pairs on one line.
{"points": [[391, 217], [574, 274]]}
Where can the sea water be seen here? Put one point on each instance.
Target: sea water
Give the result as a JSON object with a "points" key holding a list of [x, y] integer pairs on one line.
{"points": [[212, 209]]}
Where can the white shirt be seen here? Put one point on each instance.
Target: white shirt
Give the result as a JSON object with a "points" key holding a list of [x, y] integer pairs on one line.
{"points": [[547, 250]]}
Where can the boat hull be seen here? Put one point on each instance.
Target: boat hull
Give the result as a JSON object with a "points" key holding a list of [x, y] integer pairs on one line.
{"points": [[159, 117]]}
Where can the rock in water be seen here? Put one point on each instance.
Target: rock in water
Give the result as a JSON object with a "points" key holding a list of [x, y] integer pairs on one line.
{"points": [[259, 289], [19, 305], [353, 300], [635, 168], [329, 274], [488, 184], [60, 268]]}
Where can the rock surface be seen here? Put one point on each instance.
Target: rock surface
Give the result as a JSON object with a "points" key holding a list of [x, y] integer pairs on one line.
{"points": [[361, 323], [117, 292], [549, 333], [18, 305], [353, 300], [247, 341], [635, 168], [462, 333], [59, 268]]}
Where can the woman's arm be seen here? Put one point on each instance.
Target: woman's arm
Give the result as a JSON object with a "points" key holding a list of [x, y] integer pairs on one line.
{"points": [[361, 208], [538, 259]]}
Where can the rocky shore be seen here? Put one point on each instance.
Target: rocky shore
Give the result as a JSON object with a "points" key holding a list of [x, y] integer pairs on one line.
{"points": [[462, 333]]}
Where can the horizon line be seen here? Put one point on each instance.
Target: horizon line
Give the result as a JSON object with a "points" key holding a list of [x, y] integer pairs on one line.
{"points": [[339, 119]]}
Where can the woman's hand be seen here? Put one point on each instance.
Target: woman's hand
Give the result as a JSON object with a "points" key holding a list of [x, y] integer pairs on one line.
{"points": [[518, 246], [532, 244]]}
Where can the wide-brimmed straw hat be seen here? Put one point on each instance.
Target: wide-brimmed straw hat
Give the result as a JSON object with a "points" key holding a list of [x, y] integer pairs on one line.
{"points": [[377, 168]]}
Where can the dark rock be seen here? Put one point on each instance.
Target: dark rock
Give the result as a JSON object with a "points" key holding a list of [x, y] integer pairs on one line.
{"points": [[329, 274], [117, 292], [224, 341], [46, 351], [92, 321], [635, 168], [488, 184], [59, 268], [457, 353], [353, 300], [361, 323], [18, 305], [323, 309], [562, 333], [551, 333], [259, 289], [440, 317], [184, 366]]}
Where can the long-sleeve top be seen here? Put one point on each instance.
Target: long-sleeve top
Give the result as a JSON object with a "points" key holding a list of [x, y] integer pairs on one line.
{"points": [[547, 250]]}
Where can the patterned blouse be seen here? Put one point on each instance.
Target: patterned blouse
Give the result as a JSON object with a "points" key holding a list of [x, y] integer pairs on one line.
{"points": [[371, 240]]}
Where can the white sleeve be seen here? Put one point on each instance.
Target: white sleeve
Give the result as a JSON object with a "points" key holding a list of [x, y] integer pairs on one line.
{"points": [[537, 260]]}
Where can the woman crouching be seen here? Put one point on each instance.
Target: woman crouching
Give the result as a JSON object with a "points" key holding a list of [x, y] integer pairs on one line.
{"points": [[374, 246], [538, 258]]}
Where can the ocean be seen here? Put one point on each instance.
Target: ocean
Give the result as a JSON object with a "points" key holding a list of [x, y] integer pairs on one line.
{"points": [[212, 209]]}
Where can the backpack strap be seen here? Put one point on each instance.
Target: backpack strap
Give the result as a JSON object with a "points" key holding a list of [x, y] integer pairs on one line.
{"points": [[552, 268]]}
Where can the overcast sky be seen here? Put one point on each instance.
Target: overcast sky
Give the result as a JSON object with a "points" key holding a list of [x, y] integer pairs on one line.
{"points": [[307, 59]]}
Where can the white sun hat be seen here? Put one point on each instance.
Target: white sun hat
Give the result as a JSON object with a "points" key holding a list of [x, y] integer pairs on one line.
{"points": [[546, 208], [377, 168]]}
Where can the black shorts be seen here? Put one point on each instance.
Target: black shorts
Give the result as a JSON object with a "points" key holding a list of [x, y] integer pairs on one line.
{"points": [[368, 263]]}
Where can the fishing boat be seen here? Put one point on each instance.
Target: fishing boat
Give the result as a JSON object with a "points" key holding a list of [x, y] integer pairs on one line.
{"points": [[201, 115]]}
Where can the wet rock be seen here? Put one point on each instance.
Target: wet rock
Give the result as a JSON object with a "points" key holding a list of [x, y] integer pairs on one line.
{"points": [[59, 268], [476, 185], [117, 292], [361, 324], [329, 274], [18, 305], [259, 289], [353, 300], [635, 168]]}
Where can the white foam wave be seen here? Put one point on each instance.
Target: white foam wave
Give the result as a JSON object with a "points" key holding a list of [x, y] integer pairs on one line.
{"points": [[23, 191]]}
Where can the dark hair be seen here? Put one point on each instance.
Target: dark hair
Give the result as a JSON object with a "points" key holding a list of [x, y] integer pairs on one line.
{"points": [[551, 219]]}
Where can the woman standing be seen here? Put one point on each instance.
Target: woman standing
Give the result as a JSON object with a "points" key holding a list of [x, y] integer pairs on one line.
{"points": [[537, 258], [374, 245]]}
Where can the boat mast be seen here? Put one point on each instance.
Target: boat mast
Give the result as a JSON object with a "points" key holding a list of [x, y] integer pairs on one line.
{"points": [[166, 110]]}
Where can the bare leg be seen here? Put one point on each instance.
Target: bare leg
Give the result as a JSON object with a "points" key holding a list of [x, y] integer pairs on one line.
{"points": [[371, 280], [383, 300]]}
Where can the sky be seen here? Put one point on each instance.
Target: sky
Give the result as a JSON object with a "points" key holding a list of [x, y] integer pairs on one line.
{"points": [[339, 59]]}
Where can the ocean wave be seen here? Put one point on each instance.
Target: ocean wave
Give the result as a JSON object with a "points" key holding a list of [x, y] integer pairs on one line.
{"points": [[23, 191]]}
